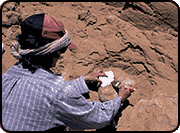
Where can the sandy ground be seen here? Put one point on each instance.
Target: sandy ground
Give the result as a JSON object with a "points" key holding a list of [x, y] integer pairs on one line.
{"points": [[139, 40]]}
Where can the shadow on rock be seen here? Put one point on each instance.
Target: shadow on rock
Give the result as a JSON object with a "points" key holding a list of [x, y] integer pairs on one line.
{"points": [[93, 86]]}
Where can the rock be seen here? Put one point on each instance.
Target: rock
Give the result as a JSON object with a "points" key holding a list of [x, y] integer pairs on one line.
{"points": [[166, 36], [7, 59], [122, 65], [139, 67], [144, 7], [116, 4], [104, 10], [27, 9], [93, 33], [168, 11], [136, 40], [67, 13], [164, 71], [10, 18], [106, 93], [106, 31], [94, 56], [78, 70], [81, 25], [174, 33], [81, 55], [5, 32], [113, 44], [159, 108], [16, 30], [100, 21], [91, 20], [131, 71], [8, 6], [37, 3], [137, 18], [87, 47], [129, 55], [82, 16], [98, 46], [111, 19], [162, 16], [46, 3]]}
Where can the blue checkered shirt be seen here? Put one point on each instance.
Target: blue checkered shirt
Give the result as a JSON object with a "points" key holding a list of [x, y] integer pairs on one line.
{"points": [[43, 100]]}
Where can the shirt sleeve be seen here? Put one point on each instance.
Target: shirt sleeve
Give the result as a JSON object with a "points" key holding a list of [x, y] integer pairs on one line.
{"points": [[71, 108], [80, 85]]}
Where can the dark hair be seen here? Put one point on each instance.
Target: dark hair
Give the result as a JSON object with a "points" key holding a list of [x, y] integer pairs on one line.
{"points": [[34, 62]]}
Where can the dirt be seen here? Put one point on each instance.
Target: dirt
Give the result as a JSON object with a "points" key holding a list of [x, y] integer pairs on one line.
{"points": [[139, 39]]}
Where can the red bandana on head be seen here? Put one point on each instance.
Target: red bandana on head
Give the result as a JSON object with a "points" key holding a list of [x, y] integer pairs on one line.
{"points": [[51, 27]]}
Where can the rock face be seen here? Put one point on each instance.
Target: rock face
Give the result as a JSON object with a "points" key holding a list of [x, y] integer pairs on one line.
{"points": [[154, 115], [139, 39], [148, 15]]}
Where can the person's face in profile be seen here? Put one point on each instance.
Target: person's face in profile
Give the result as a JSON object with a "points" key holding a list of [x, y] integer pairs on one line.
{"points": [[60, 55]]}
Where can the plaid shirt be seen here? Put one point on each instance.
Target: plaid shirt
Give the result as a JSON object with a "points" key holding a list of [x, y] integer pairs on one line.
{"points": [[43, 100]]}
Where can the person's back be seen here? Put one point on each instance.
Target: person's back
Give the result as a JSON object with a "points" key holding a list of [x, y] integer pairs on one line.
{"points": [[27, 98]]}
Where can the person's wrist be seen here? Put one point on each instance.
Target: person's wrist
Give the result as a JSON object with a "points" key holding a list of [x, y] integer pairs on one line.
{"points": [[86, 79], [121, 99]]}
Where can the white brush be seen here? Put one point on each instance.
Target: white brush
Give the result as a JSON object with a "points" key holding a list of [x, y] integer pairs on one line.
{"points": [[107, 80]]}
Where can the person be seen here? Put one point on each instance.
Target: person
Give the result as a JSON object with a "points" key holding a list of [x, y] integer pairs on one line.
{"points": [[36, 99]]}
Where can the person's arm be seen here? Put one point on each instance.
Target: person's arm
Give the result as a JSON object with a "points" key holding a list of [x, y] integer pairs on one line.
{"points": [[80, 84], [71, 108]]}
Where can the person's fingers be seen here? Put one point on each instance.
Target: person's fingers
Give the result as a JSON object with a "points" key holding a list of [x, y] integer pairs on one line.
{"points": [[98, 71], [95, 70], [129, 94], [122, 86], [131, 89], [98, 80], [128, 91], [102, 74]]}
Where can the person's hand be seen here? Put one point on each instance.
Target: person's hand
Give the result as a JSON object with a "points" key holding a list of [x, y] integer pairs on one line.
{"points": [[115, 83], [125, 92], [94, 76]]}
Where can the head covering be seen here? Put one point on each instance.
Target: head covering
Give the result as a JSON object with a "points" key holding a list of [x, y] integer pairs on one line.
{"points": [[33, 25], [42, 25], [51, 27]]}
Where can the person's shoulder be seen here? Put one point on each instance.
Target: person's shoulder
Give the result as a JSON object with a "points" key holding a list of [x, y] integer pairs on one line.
{"points": [[11, 69]]}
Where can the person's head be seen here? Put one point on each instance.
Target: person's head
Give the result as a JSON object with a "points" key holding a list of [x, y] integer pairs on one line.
{"points": [[42, 40]]}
